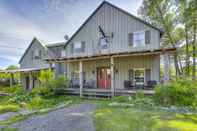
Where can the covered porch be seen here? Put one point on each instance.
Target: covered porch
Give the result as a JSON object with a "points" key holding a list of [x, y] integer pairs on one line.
{"points": [[115, 74], [28, 76]]}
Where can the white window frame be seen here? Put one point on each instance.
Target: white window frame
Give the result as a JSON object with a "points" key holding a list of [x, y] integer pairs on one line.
{"points": [[77, 47], [134, 74], [63, 53], [134, 39]]}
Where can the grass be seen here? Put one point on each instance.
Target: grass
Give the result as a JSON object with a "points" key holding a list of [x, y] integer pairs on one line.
{"points": [[131, 119], [14, 119], [8, 108], [8, 129]]}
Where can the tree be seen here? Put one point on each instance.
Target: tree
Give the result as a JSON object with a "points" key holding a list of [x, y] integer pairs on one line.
{"points": [[12, 67], [160, 13], [178, 18]]}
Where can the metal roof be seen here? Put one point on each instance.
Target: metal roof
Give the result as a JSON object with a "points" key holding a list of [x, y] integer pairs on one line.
{"points": [[23, 70]]}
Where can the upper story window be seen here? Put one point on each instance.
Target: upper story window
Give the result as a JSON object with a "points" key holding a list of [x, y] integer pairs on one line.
{"points": [[79, 47], [138, 39], [104, 43], [63, 53]]}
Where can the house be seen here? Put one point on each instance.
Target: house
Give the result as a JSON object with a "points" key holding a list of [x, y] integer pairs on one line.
{"points": [[115, 52], [32, 61]]}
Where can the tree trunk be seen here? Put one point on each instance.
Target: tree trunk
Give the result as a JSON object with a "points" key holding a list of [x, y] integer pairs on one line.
{"points": [[194, 54], [187, 52], [176, 64]]}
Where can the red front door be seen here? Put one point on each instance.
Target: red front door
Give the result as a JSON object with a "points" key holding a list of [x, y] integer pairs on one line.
{"points": [[103, 78]]}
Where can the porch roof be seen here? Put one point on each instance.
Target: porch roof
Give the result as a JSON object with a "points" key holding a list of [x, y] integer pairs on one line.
{"points": [[119, 54], [23, 70]]}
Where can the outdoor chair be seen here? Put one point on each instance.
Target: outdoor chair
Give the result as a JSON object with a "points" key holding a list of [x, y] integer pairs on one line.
{"points": [[74, 83], [89, 84], [151, 84], [128, 85]]}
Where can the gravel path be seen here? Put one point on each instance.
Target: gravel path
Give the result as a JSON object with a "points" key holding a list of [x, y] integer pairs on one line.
{"points": [[73, 118]]}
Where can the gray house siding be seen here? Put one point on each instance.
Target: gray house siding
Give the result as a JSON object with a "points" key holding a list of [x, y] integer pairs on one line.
{"points": [[122, 67], [29, 62], [116, 23]]}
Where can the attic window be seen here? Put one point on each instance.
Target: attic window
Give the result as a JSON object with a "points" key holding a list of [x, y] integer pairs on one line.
{"points": [[37, 54], [104, 43]]}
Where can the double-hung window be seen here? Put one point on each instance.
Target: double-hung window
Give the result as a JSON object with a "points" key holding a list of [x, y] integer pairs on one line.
{"points": [[139, 39]]}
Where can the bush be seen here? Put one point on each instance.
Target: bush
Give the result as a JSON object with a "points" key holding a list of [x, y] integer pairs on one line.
{"points": [[179, 93], [19, 98], [14, 89], [59, 84], [42, 91], [45, 78], [36, 102], [8, 108], [122, 99]]}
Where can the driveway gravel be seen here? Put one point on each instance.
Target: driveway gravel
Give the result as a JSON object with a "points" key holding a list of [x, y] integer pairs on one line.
{"points": [[73, 118]]}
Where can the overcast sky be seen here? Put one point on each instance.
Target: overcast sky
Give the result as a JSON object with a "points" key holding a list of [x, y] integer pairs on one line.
{"points": [[48, 20]]}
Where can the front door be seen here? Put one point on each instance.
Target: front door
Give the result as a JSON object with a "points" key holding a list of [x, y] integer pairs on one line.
{"points": [[103, 78]]}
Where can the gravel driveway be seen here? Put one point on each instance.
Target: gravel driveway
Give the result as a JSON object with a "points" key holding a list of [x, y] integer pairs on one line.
{"points": [[73, 118]]}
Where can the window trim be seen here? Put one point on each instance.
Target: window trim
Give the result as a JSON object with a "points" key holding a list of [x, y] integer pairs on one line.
{"points": [[81, 49], [134, 69], [137, 32]]}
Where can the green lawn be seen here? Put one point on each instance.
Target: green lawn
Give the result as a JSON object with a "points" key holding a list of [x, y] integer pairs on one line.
{"points": [[130, 119]]}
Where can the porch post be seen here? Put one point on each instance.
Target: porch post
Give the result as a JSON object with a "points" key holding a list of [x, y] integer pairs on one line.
{"points": [[112, 75], [68, 70], [166, 67], [81, 77], [30, 81], [11, 79]]}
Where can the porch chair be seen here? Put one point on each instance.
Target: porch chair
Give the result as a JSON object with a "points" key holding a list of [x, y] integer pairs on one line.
{"points": [[128, 85], [74, 83], [151, 84], [89, 84]]}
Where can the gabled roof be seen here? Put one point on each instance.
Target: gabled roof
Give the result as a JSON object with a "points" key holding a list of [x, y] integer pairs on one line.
{"points": [[121, 10], [34, 39]]}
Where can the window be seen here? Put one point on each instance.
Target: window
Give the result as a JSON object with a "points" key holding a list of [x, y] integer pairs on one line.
{"points": [[63, 53], [37, 54], [79, 47], [139, 77], [130, 75], [139, 39], [103, 43], [130, 39]]}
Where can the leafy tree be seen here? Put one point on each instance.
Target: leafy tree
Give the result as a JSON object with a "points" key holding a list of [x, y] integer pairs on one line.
{"points": [[178, 19], [12, 67]]}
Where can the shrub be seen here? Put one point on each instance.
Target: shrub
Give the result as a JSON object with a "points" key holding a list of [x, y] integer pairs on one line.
{"points": [[19, 98], [45, 78], [180, 93], [36, 102], [122, 99], [14, 89], [59, 84], [8, 108]]}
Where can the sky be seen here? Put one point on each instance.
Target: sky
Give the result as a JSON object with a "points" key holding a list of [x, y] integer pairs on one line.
{"points": [[48, 20]]}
